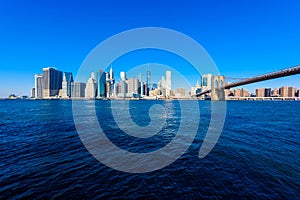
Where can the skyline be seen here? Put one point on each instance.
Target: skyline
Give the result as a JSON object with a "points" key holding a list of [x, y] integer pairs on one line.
{"points": [[54, 83], [243, 38]]}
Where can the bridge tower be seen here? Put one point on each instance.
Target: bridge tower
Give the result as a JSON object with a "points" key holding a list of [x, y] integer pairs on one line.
{"points": [[217, 88]]}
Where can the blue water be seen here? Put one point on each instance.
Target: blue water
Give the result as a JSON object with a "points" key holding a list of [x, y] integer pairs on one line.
{"points": [[256, 157]]}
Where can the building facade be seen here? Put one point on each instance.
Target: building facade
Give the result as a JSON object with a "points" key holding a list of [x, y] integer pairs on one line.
{"points": [[52, 82]]}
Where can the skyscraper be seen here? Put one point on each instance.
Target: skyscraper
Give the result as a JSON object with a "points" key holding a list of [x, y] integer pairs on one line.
{"points": [[66, 84], [91, 87], [101, 81], [206, 82], [168, 83], [133, 86], [38, 85], [163, 86], [148, 82], [52, 82], [141, 88], [77, 89]]}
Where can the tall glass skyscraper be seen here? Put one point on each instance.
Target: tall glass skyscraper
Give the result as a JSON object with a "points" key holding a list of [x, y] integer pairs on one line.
{"points": [[101, 81], [52, 82], [69, 80]]}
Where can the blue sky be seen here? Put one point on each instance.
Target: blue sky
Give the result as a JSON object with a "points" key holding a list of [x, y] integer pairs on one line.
{"points": [[244, 38]]}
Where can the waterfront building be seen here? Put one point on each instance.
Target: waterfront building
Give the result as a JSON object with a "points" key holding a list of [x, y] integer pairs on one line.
{"points": [[168, 83], [244, 93], [101, 81], [275, 92], [163, 86], [267, 92], [298, 93], [110, 82], [291, 91], [66, 85], [283, 91], [260, 92], [237, 92], [148, 83], [77, 89], [132, 86], [91, 87], [38, 85], [52, 82], [141, 88], [196, 89]]}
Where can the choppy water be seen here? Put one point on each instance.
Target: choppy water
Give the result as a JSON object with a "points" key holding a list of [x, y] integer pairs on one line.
{"points": [[257, 155]]}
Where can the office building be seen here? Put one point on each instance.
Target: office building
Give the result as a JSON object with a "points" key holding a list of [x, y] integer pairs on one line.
{"points": [[132, 86], [163, 86], [66, 85], [284, 91], [38, 85], [267, 92], [101, 81], [77, 89], [141, 88], [168, 83], [260, 92], [275, 93], [148, 83], [91, 87], [52, 82], [291, 92]]}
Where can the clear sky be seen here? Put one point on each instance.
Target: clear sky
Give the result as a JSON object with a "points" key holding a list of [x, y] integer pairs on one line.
{"points": [[244, 38]]}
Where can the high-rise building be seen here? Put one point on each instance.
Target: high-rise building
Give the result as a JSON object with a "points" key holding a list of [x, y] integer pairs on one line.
{"points": [[291, 91], [38, 85], [148, 82], [168, 83], [163, 86], [267, 92], [141, 88], [133, 86], [91, 87], [101, 81], [237, 92], [66, 85], [244, 93], [260, 92], [206, 82], [77, 89], [284, 91], [275, 93], [52, 82], [110, 81]]}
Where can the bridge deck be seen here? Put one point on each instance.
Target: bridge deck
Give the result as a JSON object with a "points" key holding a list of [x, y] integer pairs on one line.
{"points": [[277, 74]]}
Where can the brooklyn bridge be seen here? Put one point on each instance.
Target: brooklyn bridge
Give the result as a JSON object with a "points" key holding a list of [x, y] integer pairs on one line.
{"points": [[218, 85]]}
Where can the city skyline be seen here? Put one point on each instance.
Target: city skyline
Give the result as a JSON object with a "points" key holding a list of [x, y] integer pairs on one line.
{"points": [[53, 83], [243, 38]]}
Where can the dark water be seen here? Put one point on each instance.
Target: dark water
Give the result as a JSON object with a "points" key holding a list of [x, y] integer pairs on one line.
{"points": [[256, 157]]}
